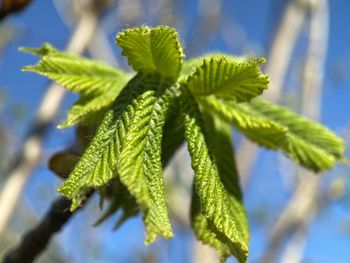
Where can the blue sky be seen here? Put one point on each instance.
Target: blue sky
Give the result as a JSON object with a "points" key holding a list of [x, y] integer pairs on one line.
{"points": [[40, 23]]}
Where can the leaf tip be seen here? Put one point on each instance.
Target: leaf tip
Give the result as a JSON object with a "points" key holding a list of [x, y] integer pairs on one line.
{"points": [[152, 236], [30, 68], [45, 49], [63, 125], [261, 60]]}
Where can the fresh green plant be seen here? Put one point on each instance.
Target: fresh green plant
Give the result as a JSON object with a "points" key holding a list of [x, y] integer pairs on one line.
{"points": [[144, 117]]}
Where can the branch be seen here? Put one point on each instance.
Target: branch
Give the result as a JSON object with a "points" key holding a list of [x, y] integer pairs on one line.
{"points": [[36, 240], [9, 7], [29, 155], [294, 216], [283, 45], [294, 249], [207, 24], [301, 209]]}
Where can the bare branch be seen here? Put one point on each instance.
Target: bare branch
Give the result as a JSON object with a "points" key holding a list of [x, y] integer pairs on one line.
{"points": [[283, 46], [295, 248], [301, 209], [9, 7], [37, 239], [293, 216]]}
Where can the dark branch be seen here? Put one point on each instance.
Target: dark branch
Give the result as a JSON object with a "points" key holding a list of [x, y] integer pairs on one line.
{"points": [[8, 7], [36, 240]]}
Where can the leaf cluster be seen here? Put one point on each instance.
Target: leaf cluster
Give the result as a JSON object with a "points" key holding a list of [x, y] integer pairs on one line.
{"points": [[142, 118]]}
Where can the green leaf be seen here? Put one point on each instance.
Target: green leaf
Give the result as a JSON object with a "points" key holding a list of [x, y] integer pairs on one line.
{"points": [[259, 129], [191, 65], [204, 230], [173, 132], [220, 205], [173, 137], [89, 110], [228, 78], [152, 50], [306, 142], [139, 164], [128, 143], [97, 83], [219, 133], [220, 143], [97, 166]]}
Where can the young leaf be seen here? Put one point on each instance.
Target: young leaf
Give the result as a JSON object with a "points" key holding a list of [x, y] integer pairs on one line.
{"points": [[97, 83], [222, 208], [89, 110], [173, 132], [139, 163], [97, 166], [190, 66], [269, 125], [306, 142], [152, 50], [220, 143], [173, 137], [204, 230], [259, 129], [228, 78], [219, 135], [128, 141]]}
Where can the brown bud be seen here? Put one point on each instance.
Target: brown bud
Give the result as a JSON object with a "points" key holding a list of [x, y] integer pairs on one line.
{"points": [[63, 163]]}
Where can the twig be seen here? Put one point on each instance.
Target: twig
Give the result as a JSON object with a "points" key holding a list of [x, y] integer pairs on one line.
{"points": [[203, 253], [36, 240], [29, 156], [10, 7], [207, 24], [99, 48], [301, 209], [293, 215], [283, 46], [295, 247]]}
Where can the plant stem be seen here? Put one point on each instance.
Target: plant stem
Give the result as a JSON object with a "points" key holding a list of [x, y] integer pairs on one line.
{"points": [[35, 241]]}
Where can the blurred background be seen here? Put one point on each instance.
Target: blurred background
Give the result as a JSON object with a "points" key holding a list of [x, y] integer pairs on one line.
{"points": [[294, 216]]}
